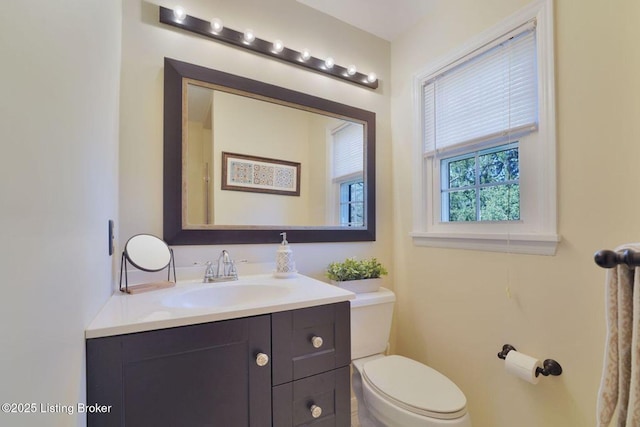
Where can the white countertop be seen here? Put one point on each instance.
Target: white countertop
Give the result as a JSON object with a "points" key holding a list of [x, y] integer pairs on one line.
{"points": [[124, 313]]}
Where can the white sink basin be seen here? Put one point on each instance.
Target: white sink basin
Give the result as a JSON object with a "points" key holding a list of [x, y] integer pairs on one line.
{"points": [[227, 294]]}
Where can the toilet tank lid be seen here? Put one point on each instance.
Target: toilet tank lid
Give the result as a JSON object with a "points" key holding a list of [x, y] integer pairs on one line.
{"points": [[382, 295]]}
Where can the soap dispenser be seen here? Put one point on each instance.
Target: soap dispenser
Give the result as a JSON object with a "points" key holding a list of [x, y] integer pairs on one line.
{"points": [[285, 265]]}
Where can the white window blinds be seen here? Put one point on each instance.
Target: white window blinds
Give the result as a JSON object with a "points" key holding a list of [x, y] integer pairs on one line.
{"points": [[484, 97], [348, 148]]}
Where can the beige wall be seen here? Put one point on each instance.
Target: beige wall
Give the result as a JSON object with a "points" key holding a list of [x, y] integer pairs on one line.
{"points": [[146, 43], [453, 311], [197, 162], [276, 132], [59, 120]]}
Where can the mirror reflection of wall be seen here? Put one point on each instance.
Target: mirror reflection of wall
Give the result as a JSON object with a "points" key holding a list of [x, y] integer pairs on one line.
{"points": [[329, 149], [199, 156]]}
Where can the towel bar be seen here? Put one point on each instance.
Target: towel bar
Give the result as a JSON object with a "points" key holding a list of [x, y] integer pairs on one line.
{"points": [[609, 259]]}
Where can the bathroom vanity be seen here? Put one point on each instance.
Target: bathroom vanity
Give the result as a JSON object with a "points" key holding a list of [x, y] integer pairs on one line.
{"points": [[181, 356]]}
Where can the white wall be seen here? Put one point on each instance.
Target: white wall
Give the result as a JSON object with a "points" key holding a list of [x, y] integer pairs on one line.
{"points": [[453, 311], [145, 44], [59, 121]]}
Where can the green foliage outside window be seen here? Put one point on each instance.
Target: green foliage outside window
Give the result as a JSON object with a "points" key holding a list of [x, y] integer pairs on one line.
{"points": [[484, 186]]}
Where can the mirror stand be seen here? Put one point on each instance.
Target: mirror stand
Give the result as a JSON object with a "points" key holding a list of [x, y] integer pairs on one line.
{"points": [[145, 286]]}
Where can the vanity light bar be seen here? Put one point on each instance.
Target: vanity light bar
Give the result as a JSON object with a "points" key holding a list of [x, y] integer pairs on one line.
{"points": [[178, 18]]}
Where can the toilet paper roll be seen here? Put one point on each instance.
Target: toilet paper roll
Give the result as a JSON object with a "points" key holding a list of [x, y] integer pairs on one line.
{"points": [[522, 366]]}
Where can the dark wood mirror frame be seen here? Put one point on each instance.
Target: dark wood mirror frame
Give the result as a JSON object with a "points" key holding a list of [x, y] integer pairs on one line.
{"points": [[174, 234]]}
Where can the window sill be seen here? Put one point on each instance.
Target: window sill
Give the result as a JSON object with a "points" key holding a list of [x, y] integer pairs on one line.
{"points": [[534, 244]]}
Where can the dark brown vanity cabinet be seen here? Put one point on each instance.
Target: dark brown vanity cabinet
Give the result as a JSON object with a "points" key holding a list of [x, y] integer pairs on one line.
{"points": [[284, 369]]}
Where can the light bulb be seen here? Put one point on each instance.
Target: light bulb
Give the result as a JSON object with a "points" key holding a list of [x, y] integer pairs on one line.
{"points": [[278, 46], [329, 62], [351, 70], [305, 55], [249, 36], [372, 77], [179, 13], [216, 25]]}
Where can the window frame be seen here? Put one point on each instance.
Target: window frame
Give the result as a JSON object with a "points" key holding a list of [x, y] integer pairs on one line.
{"points": [[536, 231]]}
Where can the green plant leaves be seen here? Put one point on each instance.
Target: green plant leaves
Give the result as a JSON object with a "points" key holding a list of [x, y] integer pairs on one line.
{"points": [[353, 269]]}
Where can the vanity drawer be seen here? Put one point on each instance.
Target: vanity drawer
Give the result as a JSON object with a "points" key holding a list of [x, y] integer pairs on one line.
{"points": [[297, 352], [293, 402]]}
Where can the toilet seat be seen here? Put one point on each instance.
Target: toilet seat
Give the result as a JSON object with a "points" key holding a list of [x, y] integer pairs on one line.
{"points": [[415, 387]]}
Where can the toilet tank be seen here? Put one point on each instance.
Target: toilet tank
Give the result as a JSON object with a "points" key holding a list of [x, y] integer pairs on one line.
{"points": [[371, 315]]}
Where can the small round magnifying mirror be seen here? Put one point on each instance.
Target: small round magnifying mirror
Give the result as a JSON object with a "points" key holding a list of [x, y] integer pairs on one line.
{"points": [[147, 252]]}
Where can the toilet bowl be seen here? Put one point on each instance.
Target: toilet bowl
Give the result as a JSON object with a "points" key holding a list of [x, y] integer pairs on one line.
{"points": [[395, 391]]}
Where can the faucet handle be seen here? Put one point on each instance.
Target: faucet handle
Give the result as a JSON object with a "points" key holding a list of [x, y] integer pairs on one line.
{"points": [[232, 269], [209, 273]]}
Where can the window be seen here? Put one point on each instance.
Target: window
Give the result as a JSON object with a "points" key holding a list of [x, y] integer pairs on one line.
{"points": [[487, 141], [482, 186], [347, 174], [352, 203]]}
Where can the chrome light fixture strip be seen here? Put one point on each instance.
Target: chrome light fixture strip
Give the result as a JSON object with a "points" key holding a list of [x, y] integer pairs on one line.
{"points": [[264, 47]]}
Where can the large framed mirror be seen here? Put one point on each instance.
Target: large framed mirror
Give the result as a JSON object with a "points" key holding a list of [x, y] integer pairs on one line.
{"points": [[245, 161]]}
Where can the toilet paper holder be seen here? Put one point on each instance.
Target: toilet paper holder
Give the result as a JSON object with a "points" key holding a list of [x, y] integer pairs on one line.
{"points": [[550, 366]]}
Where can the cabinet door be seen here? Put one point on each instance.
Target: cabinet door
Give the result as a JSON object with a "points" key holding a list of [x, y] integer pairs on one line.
{"points": [[198, 375], [320, 401], [294, 354]]}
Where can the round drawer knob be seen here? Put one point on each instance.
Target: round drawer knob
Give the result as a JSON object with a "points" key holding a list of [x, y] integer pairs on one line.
{"points": [[262, 359], [317, 342], [316, 411]]}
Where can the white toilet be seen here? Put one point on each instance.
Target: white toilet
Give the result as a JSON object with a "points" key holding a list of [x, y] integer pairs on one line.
{"points": [[394, 391]]}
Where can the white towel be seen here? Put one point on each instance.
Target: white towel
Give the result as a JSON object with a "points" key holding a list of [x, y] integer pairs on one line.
{"points": [[619, 394]]}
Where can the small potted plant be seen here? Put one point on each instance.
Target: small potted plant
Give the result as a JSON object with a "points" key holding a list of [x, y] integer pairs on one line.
{"points": [[357, 276]]}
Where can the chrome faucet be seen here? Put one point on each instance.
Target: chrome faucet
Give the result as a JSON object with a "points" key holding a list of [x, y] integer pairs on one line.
{"points": [[224, 270]]}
